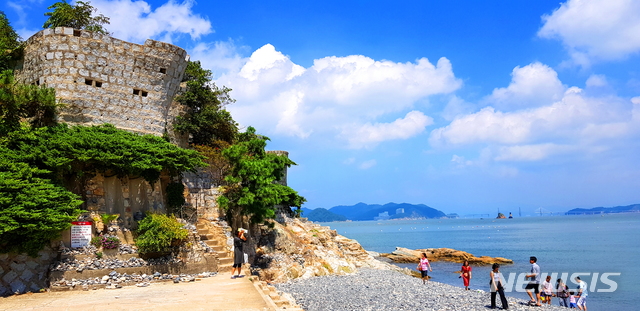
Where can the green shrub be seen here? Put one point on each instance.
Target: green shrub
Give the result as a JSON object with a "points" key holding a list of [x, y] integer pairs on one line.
{"points": [[158, 233], [96, 241]]}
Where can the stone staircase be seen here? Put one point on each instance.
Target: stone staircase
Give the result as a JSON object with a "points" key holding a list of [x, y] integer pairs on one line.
{"points": [[215, 238], [278, 301]]}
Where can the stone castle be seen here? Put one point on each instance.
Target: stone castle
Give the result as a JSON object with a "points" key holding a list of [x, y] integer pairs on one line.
{"points": [[101, 79], [106, 80]]}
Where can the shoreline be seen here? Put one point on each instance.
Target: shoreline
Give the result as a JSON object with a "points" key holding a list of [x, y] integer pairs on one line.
{"points": [[372, 289]]}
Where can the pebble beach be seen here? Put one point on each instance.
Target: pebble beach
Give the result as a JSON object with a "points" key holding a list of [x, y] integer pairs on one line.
{"points": [[370, 289]]}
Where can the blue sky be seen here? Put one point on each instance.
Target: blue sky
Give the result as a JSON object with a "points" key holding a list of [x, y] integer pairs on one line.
{"points": [[466, 106]]}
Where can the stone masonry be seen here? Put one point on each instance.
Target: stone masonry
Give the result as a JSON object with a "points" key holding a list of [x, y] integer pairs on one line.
{"points": [[20, 273], [106, 80]]}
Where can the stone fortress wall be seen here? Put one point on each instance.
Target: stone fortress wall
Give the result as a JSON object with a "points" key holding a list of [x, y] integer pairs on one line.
{"points": [[106, 80]]}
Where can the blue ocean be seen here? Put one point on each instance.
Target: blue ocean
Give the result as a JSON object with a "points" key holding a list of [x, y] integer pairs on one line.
{"points": [[603, 249]]}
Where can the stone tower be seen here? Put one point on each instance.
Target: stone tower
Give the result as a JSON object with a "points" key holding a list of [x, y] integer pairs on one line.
{"points": [[106, 80]]}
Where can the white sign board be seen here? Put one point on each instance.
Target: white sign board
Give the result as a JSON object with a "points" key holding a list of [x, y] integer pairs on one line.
{"points": [[80, 233]]}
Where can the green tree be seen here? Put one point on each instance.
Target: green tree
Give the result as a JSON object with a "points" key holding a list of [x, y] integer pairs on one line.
{"points": [[20, 102], [253, 189], [206, 120], [32, 209], [74, 152], [78, 16], [10, 46]]}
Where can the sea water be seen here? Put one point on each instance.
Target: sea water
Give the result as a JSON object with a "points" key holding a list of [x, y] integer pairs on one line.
{"points": [[603, 244]]}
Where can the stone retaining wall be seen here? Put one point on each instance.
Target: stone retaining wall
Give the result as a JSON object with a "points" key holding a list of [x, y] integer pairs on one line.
{"points": [[20, 273]]}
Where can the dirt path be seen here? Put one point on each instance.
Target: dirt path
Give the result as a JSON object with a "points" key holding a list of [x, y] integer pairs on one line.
{"points": [[214, 293]]}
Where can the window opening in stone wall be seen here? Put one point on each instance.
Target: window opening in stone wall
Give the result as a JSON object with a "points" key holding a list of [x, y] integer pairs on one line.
{"points": [[98, 84], [144, 94], [136, 92], [76, 33], [163, 70], [88, 82]]}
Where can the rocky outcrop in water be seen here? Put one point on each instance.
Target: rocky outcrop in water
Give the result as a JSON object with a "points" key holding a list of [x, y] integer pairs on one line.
{"points": [[405, 255]]}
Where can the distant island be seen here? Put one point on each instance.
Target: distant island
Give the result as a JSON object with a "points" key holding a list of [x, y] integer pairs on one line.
{"points": [[362, 211], [321, 215], [604, 210]]}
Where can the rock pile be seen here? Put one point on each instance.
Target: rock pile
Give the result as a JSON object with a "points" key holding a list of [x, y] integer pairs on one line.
{"points": [[303, 249], [116, 280]]}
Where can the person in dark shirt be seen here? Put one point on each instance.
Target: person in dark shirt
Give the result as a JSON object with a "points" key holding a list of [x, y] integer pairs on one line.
{"points": [[238, 253]]}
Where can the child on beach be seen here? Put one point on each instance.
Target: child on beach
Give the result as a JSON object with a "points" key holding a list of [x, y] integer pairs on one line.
{"points": [[423, 266], [572, 300], [547, 290]]}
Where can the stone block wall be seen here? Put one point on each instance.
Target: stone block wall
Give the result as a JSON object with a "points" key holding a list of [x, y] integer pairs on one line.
{"points": [[201, 193], [124, 196], [20, 273], [106, 80]]}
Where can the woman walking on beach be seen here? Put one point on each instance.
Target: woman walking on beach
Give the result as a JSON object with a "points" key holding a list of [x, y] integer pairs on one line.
{"points": [[465, 273], [423, 266], [496, 287]]}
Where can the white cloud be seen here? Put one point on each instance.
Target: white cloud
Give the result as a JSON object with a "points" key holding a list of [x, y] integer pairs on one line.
{"points": [[219, 57], [537, 133], [533, 85], [529, 152], [369, 135], [136, 21], [278, 96], [595, 30], [367, 164]]}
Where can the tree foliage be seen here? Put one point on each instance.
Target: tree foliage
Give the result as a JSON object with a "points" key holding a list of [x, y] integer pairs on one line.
{"points": [[78, 16], [10, 46], [206, 121], [32, 209], [73, 151], [21, 102], [253, 189]]}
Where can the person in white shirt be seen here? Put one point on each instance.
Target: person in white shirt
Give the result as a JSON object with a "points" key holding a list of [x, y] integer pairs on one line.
{"points": [[547, 290], [582, 294]]}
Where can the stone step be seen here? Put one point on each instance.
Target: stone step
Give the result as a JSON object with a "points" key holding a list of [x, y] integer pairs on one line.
{"points": [[206, 236], [201, 226], [219, 248], [225, 267], [225, 260], [212, 243]]}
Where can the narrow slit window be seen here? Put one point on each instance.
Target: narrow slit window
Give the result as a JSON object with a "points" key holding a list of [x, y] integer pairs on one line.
{"points": [[163, 70]]}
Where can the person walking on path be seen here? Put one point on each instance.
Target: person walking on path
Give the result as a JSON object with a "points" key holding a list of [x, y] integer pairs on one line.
{"points": [[562, 292], [496, 287], [465, 274], [238, 253], [582, 294], [423, 265], [534, 283]]}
